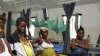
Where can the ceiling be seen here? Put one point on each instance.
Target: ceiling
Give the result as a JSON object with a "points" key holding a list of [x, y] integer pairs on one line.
{"points": [[18, 5]]}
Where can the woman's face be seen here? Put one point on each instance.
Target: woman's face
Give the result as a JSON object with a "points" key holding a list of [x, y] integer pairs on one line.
{"points": [[22, 27], [80, 34], [1, 28], [45, 33]]}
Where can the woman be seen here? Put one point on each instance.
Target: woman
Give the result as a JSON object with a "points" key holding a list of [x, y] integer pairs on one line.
{"points": [[20, 40], [4, 45], [79, 45], [45, 48]]}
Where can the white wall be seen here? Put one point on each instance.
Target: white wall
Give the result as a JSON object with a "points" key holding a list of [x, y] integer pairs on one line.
{"points": [[0, 12], [90, 19]]}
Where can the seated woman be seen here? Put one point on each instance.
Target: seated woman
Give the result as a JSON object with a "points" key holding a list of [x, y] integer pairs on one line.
{"points": [[45, 47], [20, 40], [5, 49], [79, 45]]}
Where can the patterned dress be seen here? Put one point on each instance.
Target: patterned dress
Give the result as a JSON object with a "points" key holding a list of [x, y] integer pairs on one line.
{"points": [[48, 49], [48, 52]]}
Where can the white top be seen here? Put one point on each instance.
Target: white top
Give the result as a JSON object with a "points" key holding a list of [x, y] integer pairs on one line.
{"points": [[6, 52], [19, 49], [46, 45]]}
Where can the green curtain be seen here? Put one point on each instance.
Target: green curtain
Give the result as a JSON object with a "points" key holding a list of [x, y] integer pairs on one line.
{"points": [[37, 23], [59, 26], [56, 25], [13, 22], [49, 23]]}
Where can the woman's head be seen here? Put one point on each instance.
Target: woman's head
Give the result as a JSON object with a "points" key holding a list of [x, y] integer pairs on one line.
{"points": [[21, 25], [80, 33], [2, 23], [43, 32]]}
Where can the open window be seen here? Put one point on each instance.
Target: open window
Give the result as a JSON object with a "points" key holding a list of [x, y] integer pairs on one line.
{"points": [[75, 23]]}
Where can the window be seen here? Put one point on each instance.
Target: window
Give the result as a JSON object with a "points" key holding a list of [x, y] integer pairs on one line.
{"points": [[74, 24]]}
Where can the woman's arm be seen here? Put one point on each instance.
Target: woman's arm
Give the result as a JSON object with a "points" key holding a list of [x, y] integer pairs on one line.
{"points": [[38, 40], [73, 43], [9, 49], [35, 40], [39, 52], [85, 44]]}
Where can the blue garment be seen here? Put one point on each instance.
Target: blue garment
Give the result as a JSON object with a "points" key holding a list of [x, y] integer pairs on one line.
{"points": [[79, 52]]}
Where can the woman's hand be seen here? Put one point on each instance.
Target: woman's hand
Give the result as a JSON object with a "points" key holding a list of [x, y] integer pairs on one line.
{"points": [[76, 44]]}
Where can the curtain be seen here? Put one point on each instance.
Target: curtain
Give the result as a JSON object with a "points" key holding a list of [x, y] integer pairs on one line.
{"points": [[4, 15], [76, 22], [45, 14], [8, 29], [98, 41], [68, 8], [26, 16]]}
